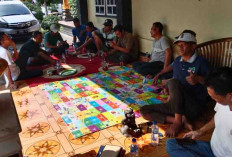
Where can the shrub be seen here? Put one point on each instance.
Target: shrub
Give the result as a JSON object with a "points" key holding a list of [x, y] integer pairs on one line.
{"points": [[73, 8], [36, 8], [48, 20]]}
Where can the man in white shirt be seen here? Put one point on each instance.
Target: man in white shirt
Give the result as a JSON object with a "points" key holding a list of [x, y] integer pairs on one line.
{"points": [[219, 86], [5, 43], [161, 54], [4, 68], [15, 72]]}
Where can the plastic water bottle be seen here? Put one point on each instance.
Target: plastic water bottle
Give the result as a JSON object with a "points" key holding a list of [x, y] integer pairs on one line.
{"points": [[63, 58], [104, 64], [73, 46], [144, 80], [155, 134], [134, 149], [57, 65], [89, 55]]}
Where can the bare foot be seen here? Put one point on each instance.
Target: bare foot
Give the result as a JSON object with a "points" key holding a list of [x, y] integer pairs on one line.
{"points": [[186, 124], [173, 130]]}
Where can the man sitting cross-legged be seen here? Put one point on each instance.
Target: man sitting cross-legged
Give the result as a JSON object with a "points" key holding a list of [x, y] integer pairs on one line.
{"points": [[161, 54], [15, 72], [219, 87], [187, 94], [104, 36], [79, 33], [89, 41], [125, 49], [53, 42], [32, 54]]}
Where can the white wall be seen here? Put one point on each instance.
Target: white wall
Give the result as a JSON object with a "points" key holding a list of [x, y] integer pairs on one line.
{"points": [[210, 19], [97, 20]]}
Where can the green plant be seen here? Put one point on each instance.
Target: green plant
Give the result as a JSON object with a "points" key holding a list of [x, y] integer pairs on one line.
{"points": [[53, 7], [73, 8], [36, 8], [48, 20]]}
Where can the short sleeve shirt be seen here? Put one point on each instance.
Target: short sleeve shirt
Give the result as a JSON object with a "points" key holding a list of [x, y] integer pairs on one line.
{"points": [[128, 41], [77, 32], [89, 34], [14, 69], [108, 37], [159, 48], [52, 39], [199, 66], [29, 49], [221, 141]]}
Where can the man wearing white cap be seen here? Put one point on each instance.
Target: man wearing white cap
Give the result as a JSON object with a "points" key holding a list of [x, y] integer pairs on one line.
{"points": [[187, 94], [53, 42]]}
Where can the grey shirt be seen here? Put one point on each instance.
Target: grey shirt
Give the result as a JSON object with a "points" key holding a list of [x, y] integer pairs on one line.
{"points": [[159, 48]]}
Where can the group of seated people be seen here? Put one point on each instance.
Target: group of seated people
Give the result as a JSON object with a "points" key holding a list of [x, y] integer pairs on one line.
{"points": [[114, 42], [186, 88]]}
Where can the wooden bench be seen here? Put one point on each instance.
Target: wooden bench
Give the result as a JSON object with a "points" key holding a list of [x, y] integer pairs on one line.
{"points": [[217, 52]]}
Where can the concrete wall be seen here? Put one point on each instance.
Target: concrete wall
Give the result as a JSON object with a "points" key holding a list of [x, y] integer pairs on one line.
{"points": [[97, 20], [210, 19]]}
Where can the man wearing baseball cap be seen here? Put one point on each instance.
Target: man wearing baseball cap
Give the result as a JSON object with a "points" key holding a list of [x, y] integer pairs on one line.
{"points": [[53, 42], [187, 94], [104, 36]]}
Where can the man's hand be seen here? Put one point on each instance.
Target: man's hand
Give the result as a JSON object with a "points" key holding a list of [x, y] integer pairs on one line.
{"points": [[155, 79], [15, 54], [192, 79], [59, 44], [165, 91], [112, 44], [13, 86], [173, 130], [193, 134]]}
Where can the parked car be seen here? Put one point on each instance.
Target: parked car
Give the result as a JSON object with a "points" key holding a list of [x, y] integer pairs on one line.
{"points": [[17, 20]]}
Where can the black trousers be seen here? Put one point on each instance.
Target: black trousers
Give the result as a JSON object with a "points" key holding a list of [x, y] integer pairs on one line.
{"points": [[182, 101]]}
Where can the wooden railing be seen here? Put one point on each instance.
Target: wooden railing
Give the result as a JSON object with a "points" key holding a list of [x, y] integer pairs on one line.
{"points": [[217, 52]]}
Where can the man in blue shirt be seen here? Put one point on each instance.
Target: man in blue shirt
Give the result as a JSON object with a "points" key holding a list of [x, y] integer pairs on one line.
{"points": [[187, 94], [89, 41], [78, 32]]}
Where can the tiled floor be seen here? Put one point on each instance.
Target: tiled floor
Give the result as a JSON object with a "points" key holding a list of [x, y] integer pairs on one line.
{"points": [[45, 134]]}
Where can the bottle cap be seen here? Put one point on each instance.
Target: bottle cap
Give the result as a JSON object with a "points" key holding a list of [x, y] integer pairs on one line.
{"points": [[133, 140], [154, 122]]}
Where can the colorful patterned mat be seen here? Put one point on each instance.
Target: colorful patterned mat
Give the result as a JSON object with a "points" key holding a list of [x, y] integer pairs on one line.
{"points": [[97, 101]]}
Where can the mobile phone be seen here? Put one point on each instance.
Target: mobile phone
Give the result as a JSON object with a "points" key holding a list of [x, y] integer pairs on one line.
{"points": [[185, 141]]}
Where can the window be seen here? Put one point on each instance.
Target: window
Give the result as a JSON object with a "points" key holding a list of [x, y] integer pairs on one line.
{"points": [[106, 7], [100, 7]]}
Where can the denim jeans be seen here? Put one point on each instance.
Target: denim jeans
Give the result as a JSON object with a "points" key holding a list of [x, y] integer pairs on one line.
{"points": [[199, 149]]}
